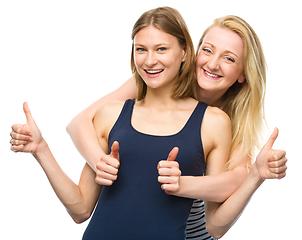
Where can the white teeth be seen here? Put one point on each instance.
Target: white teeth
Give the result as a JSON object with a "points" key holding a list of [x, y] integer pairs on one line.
{"points": [[212, 75], [153, 71]]}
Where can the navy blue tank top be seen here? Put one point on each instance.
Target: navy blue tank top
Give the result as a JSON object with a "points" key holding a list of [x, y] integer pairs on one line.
{"points": [[135, 206]]}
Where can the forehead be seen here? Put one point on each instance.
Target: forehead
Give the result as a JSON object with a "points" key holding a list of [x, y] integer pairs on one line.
{"points": [[152, 35], [224, 39]]}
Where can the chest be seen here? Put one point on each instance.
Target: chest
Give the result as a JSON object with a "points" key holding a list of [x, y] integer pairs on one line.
{"points": [[160, 123]]}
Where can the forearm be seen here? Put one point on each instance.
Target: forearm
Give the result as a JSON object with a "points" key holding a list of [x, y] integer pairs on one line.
{"points": [[221, 217], [66, 190], [81, 129], [214, 188], [84, 137]]}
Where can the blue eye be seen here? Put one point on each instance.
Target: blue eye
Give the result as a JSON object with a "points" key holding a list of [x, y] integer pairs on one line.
{"points": [[206, 50], [230, 59], [162, 49], [140, 50]]}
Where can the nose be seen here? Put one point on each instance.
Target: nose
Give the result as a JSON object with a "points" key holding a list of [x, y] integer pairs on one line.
{"points": [[151, 59], [213, 63]]}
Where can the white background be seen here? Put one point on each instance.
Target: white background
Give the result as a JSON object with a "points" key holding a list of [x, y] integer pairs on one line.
{"points": [[61, 56]]}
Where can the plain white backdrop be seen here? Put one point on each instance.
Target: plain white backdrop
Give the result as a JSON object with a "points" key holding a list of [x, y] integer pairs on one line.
{"points": [[62, 55]]}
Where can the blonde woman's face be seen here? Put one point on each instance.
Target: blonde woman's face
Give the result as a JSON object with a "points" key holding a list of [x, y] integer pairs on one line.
{"points": [[157, 56], [219, 63]]}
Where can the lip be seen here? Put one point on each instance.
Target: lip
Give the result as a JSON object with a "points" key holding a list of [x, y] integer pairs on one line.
{"points": [[210, 75], [153, 73]]}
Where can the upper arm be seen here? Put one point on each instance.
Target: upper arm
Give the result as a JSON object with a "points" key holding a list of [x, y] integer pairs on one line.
{"points": [[104, 120], [127, 91], [217, 139]]}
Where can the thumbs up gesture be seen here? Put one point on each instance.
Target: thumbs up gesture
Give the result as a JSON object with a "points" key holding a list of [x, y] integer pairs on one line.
{"points": [[169, 173], [108, 166], [26, 137], [271, 163]]}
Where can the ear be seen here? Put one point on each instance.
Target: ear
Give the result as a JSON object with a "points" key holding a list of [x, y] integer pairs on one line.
{"points": [[184, 54], [241, 79]]}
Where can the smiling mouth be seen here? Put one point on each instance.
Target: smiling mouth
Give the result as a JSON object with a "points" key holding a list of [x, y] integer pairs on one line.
{"points": [[212, 75], [153, 71]]}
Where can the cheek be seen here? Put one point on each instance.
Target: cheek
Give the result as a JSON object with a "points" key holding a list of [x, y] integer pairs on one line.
{"points": [[232, 74], [138, 61]]}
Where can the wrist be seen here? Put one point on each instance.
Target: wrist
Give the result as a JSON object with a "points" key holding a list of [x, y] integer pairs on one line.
{"points": [[254, 175], [41, 150]]}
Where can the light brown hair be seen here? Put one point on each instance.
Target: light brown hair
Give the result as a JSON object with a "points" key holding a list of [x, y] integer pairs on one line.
{"points": [[169, 21]]}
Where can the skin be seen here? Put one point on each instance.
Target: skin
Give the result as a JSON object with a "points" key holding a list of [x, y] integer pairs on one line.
{"points": [[219, 64], [270, 163], [156, 114]]}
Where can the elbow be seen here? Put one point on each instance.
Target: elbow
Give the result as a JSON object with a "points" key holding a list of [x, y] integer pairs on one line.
{"points": [[80, 218], [71, 126], [215, 232]]}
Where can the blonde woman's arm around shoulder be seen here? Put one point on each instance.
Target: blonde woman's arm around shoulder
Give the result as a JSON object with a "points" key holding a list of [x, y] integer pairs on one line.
{"points": [[216, 186], [81, 129]]}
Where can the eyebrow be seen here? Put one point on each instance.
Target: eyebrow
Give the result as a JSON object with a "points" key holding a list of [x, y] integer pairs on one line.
{"points": [[157, 45], [226, 51]]}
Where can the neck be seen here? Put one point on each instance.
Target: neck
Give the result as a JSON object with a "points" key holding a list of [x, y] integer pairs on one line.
{"points": [[213, 98], [158, 99]]}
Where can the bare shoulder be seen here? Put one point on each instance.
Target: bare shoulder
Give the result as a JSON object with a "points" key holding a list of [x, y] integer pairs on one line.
{"points": [[214, 115], [215, 129]]}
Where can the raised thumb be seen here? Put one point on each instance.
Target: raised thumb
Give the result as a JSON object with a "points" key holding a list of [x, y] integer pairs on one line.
{"points": [[27, 112], [114, 150], [269, 144], [173, 154]]}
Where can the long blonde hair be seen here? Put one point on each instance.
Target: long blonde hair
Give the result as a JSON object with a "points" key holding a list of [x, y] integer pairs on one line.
{"points": [[169, 21], [244, 102]]}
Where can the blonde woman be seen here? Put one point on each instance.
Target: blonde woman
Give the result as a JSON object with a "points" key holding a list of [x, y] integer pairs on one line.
{"points": [[230, 70]]}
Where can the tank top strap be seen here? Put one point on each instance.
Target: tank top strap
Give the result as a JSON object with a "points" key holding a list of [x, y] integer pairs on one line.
{"points": [[124, 117], [196, 117]]}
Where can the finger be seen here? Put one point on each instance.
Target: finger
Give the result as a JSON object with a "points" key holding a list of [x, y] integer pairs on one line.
{"points": [[280, 176], [170, 188], [169, 172], [113, 162], [278, 163], [19, 128], [278, 170], [27, 112], [277, 155], [17, 136], [17, 148], [167, 164], [114, 150], [167, 180], [269, 144], [103, 181], [173, 154], [18, 142], [104, 167], [105, 175]]}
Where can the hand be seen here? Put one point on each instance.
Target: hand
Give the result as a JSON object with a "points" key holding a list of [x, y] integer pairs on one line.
{"points": [[107, 168], [271, 163], [27, 137], [169, 173]]}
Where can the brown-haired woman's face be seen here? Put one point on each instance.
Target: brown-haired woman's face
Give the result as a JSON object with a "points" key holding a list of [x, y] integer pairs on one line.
{"points": [[158, 56], [219, 63]]}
